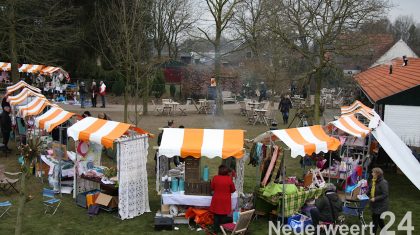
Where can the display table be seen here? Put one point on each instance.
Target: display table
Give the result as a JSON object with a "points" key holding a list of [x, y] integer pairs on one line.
{"points": [[293, 202], [179, 198]]}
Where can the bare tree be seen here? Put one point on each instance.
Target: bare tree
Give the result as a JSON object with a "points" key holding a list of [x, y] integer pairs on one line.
{"points": [[36, 31], [318, 29], [222, 12], [401, 27], [123, 35]]}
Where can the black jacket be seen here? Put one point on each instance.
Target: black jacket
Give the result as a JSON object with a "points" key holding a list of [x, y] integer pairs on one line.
{"points": [[328, 205], [285, 104], [380, 204], [5, 122], [4, 103]]}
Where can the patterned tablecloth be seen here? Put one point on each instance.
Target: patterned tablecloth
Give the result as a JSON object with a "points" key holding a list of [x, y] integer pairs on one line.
{"points": [[293, 202]]}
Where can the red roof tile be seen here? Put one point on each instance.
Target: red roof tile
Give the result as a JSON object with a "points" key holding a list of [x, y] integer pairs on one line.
{"points": [[378, 84]]}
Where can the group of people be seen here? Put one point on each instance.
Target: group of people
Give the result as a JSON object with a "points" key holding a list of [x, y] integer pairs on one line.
{"points": [[94, 91]]}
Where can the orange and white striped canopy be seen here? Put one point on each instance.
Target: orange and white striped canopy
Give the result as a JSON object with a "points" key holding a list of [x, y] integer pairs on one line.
{"points": [[196, 143], [30, 68], [352, 126], [23, 96], [49, 70], [356, 105], [303, 140], [21, 84], [35, 107], [97, 130], [52, 118], [5, 66]]}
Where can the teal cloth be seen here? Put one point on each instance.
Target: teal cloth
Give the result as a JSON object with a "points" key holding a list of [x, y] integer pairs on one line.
{"points": [[273, 189]]}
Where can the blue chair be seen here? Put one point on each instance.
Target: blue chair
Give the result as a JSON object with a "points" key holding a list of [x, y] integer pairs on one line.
{"points": [[355, 208], [5, 206], [50, 202]]}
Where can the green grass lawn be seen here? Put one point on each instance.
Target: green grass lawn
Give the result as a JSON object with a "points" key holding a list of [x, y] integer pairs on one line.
{"points": [[72, 219]]}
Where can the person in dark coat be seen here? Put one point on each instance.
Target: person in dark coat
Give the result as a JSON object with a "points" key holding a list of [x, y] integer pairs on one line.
{"points": [[82, 92], [221, 201], [328, 207], [94, 91], [4, 102], [378, 198], [6, 126], [159, 140], [284, 106]]}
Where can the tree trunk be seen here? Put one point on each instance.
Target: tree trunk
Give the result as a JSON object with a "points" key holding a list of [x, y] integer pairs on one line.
{"points": [[146, 94], [127, 78], [12, 42], [21, 204], [217, 68], [318, 82]]}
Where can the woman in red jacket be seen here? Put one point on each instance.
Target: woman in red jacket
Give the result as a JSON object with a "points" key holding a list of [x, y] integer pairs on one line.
{"points": [[221, 205]]}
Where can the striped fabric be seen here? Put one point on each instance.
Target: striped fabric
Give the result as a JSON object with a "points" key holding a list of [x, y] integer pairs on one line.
{"points": [[353, 107], [30, 68], [21, 84], [303, 140], [35, 107], [49, 70], [23, 96], [5, 66], [352, 126], [52, 118], [210, 143], [97, 130]]}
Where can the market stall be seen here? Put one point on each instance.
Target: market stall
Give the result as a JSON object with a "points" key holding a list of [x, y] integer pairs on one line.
{"points": [[131, 195], [287, 194], [19, 85], [35, 107], [25, 96], [30, 68], [191, 145]]}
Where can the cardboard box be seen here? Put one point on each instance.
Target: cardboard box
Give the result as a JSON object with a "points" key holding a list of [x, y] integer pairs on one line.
{"points": [[107, 200], [164, 209]]}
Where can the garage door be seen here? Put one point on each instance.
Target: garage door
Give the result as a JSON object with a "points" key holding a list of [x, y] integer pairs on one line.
{"points": [[405, 122]]}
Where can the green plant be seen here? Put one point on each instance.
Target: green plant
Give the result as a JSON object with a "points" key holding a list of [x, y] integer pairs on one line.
{"points": [[118, 88], [172, 90], [158, 85]]}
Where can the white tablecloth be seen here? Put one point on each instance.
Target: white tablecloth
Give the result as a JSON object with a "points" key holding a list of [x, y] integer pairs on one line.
{"points": [[179, 198]]}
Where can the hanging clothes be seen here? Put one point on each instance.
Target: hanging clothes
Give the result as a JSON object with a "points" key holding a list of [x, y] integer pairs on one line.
{"points": [[273, 161]]}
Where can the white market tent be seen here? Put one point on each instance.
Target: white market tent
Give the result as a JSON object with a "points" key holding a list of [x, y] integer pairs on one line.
{"points": [[133, 199]]}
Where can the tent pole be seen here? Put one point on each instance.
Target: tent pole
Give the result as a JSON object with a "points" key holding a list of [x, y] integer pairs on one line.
{"points": [[329, 169]]}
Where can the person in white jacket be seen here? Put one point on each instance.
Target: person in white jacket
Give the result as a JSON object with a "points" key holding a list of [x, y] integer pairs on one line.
{"points": [[102, 89]]}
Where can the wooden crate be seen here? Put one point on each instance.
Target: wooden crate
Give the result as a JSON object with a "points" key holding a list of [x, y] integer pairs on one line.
{"points": [[198, 188], [192, 169]]}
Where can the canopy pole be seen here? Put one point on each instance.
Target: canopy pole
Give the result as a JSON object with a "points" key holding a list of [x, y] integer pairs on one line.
{"points": [[329, 169]]}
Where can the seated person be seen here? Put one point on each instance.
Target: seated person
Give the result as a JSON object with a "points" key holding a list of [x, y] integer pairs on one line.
{"points": [[327, 207]]}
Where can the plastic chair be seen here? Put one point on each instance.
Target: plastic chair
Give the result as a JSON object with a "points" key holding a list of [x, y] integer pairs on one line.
{"points": [[241, 226], [5, 206], [50, 202], [158, 110]]}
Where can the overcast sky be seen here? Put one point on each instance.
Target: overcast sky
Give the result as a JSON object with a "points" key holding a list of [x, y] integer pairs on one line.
{"points": [[405, 7]]}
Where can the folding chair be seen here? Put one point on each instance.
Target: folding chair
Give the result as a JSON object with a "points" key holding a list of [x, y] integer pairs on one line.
{"points": [[183, 111], [50, 202], [7, 183], [356, 208], [5, 206], [158, 110], [241, 226], [196, 107]]}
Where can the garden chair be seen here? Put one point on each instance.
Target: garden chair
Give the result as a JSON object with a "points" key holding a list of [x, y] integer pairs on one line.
{"points": [[158, 110], [50, 202], [183, 110], [4, 208], [196, 107], [241, 225], [7, 183], [211, 107], [355, 208], [242, 105]]}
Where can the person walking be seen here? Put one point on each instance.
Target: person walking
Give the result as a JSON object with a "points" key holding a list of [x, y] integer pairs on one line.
{"points": [[94, 92], [221, 205], [263, 92], [6, 126], [378, 198], [82, 92], [102, 90], [284, 106]]}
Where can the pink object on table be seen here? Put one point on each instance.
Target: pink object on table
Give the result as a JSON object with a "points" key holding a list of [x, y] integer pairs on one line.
{"points": [[271, 166], [50, 152]]}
